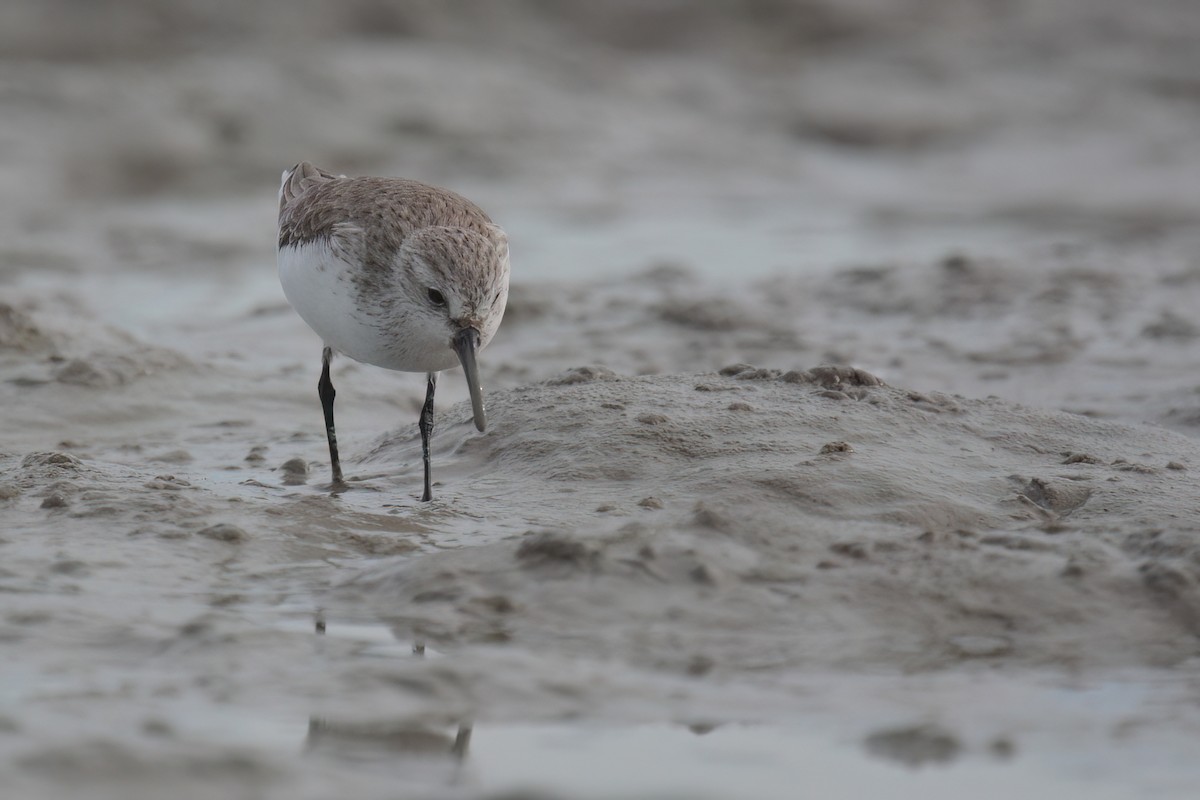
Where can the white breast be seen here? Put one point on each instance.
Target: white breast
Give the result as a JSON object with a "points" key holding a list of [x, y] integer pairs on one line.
{"points": [[318, 285]]}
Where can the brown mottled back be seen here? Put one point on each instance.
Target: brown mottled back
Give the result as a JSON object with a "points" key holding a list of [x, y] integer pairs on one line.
{"points": [[315, 204]]}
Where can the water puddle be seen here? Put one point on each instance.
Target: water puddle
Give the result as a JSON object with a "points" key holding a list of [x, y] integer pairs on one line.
{"points": [[766, 762]]}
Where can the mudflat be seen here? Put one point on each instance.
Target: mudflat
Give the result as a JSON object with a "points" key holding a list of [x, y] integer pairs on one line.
{"points": [[842, 424]]}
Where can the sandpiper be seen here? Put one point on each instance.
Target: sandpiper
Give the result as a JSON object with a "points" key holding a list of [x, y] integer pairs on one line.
{"points": [[394, 273]]}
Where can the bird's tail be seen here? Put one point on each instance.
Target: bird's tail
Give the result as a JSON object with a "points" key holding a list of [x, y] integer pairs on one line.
{"points": [[297, 180]]}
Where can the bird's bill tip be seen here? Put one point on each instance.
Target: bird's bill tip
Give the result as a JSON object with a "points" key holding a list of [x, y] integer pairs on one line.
{"points": [[466, 345]]}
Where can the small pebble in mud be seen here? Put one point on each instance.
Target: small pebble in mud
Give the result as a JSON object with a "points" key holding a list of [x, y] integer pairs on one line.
{"points": [[1171, 326], [78, 372], [68, 566], [652, 503], [1072, 570], [735, 369], [956, 262], [836, 447], [853, 550], [1129, 466], [173, 534], [157, 728], [605, 508], [652, 419], [173, 457], [295, 471], [8, 491], [582, 375], [497, 603], [740, 406], [54, 501], [542, 548], [1175, 465], [257, 454], [703, 575], [920, 744], [224, 532], [167, 482], [708, 517], [1002, 747], [56, 461], [980, 646]]}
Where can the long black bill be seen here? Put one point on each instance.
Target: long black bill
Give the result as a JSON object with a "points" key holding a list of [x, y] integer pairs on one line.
{"points": [[466, 344]]}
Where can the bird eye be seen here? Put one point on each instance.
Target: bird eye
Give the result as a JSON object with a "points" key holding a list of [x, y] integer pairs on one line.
{"points": [[436, 297]]}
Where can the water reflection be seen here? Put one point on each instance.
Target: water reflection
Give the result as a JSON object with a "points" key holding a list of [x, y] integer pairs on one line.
{"points": [[818, 755], [385, 741]]}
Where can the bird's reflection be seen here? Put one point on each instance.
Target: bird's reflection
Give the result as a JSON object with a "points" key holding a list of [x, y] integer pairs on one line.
{"points": [[366, 741], [384, 741]]}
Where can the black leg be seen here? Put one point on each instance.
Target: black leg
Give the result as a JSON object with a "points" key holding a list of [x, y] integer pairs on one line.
{"points": [[326, 391], [426, 426]]}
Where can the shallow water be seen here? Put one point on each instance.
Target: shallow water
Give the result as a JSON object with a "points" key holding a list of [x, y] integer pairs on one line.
{"points": [[782, 762], [788, 237], [652, 577]]}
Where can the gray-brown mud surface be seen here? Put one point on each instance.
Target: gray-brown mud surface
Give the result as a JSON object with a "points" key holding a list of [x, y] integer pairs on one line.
{"points": [[843, 422]]}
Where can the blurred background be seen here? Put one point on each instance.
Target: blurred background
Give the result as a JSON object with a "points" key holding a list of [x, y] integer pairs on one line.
{"points": [[983, 197], [752, 135]]}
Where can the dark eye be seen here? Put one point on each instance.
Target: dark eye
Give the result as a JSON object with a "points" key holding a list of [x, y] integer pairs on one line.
{"points": [[436, 297]]}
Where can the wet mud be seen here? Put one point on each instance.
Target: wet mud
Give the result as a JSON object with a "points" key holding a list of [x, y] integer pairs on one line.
{"points": [[843, 420]]}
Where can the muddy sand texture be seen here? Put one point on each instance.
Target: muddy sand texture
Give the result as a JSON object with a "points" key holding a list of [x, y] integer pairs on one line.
{"points": [[859, 526], [988, 207]]}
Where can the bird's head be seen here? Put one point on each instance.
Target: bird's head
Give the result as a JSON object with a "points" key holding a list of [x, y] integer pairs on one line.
{"points": [[456, 280]]}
